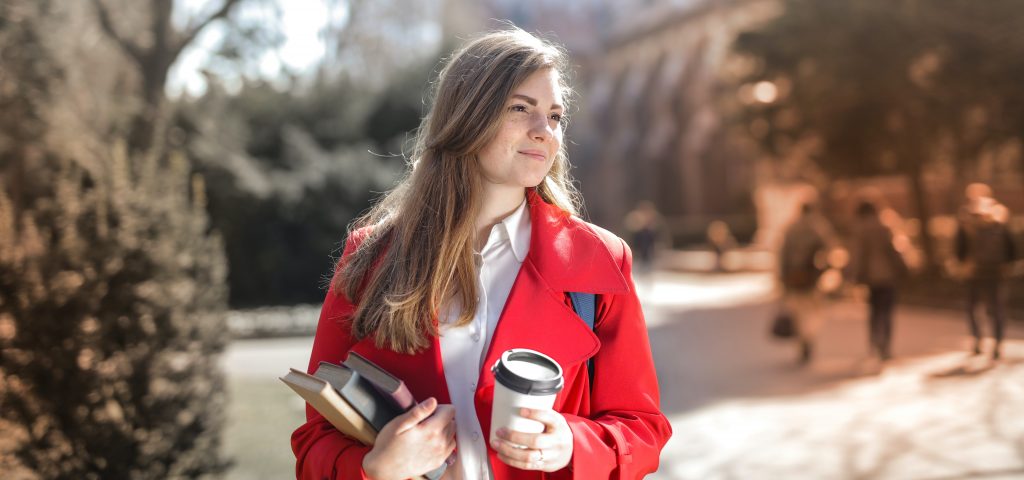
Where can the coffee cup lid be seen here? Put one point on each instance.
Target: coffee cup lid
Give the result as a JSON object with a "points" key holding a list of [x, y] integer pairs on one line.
{"points": [[528, 372]]}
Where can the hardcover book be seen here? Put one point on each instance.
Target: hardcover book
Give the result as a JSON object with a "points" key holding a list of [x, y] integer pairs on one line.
{"points": [[326, 400], [360, 393], [384, 382], [356, 405]]}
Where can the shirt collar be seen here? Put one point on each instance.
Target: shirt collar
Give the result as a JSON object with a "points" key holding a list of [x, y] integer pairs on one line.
{"points": [[517, 227]]}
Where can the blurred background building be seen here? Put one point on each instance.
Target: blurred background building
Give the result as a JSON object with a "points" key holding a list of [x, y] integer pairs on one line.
{"points": [[647, 73]]}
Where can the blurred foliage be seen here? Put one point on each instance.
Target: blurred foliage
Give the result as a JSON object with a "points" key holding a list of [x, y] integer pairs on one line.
{"points": [[870, 87], [288, 170], [881, 82], [112, 290], [291, 161], [152, 51]]}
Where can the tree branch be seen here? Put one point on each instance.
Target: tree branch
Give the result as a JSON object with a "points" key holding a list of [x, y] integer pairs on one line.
{"points": [[130, 48], [193, 31]]}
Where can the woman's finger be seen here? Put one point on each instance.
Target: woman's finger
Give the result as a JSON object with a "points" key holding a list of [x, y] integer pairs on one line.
{"points": [[528, 440], [450, 447], [449, 431], [549, 418], [416, 415], [526, 459], [443, 416], [528, 449]]}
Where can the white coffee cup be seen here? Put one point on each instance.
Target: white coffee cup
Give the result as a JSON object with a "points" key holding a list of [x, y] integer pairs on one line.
{"points": [[523, 378]]}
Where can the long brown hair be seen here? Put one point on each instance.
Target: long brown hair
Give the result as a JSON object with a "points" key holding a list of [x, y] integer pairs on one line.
{"points": [[419, 250]]}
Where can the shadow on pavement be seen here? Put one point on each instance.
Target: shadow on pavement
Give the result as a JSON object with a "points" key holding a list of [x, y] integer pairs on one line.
{"points": [[970, 368], [1001, 473], [706, 355]]}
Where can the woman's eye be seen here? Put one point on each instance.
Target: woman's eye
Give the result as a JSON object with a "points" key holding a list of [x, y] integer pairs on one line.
{"points": [[517, 108], [557, 117]]}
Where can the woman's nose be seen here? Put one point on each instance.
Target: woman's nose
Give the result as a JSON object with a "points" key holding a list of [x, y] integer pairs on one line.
{"points": [[540, 128]]}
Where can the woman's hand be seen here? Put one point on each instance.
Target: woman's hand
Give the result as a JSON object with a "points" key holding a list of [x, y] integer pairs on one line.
{"points": [[548, 451], [413, 443]]}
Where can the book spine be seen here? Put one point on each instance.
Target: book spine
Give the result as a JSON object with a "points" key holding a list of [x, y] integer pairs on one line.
{"points": [[360, 394], [402, 399]]}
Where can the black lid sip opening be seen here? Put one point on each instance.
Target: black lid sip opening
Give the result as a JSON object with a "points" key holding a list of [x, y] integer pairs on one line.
{"points": [[528, 372]]}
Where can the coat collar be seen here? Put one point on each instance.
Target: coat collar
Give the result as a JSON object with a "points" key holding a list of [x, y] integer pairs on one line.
{"points": [[568, 254]]}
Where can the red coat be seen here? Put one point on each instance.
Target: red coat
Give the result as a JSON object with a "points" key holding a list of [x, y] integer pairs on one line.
{"points": [[618, 429]]}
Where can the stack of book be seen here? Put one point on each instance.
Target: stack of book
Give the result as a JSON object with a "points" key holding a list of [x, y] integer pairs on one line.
{"points": [[358, 397]]}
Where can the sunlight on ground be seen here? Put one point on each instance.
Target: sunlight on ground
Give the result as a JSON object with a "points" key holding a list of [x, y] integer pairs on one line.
{"points": [[939, 416], [263, 412], [680, 290], [743, 409]]}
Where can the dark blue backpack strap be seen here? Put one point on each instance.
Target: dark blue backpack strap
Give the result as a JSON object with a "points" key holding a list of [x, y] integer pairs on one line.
{"points": [[585, 305]]}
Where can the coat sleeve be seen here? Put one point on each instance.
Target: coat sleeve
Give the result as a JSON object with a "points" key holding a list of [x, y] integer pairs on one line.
{"points": [[960, 243], [625, 432], [1011, 245], [895, 257], [321, 451]]}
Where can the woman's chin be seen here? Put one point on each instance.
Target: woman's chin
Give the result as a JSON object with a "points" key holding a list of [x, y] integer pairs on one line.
{"points": [[534, 180]]}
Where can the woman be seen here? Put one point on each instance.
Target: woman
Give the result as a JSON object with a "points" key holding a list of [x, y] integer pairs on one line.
{"points": [[471, 255], [804, 244]]}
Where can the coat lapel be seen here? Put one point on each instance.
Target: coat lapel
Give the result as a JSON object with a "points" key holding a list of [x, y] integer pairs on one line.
{"points": [[569, 254], [565, 255]]}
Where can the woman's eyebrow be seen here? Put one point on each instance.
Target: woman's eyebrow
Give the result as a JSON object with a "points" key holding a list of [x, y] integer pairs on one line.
{"points": [[533, 101]]}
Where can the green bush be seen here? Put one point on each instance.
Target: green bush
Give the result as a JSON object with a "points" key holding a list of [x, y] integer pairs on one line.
{"points": [[112, 291]]}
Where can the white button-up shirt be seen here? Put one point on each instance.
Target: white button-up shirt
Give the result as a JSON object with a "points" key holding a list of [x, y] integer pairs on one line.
{"points": [[463, 348]]}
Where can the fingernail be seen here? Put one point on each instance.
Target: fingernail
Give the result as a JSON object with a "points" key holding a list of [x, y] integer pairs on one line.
{"points": [[502, 431]]}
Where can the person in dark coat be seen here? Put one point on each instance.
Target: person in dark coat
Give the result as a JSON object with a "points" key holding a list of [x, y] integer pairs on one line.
{"points": [[801, 263], [985, 247], [876, 263], [645, 231]]}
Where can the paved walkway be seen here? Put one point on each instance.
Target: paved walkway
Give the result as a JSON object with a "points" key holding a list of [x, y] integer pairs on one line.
{"points": [[741, 408]]}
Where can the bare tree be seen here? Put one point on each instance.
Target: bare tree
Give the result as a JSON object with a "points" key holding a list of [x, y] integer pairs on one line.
{"points": [[154, 58]]}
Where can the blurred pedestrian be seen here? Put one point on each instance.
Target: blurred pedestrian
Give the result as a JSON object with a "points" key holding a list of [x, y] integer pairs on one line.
{"points": [[645, 229], [876, 263], [721, 240], [985, 248], [802, 260]]}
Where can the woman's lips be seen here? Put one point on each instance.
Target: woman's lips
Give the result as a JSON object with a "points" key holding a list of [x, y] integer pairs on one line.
{"points": [[537, 154]]}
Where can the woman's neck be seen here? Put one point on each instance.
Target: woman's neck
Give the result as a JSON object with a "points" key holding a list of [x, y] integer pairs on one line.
{"points": [[498, 203]]}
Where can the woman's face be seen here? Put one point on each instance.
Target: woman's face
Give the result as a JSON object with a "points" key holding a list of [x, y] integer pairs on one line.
{"points": [[529, 135]]}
